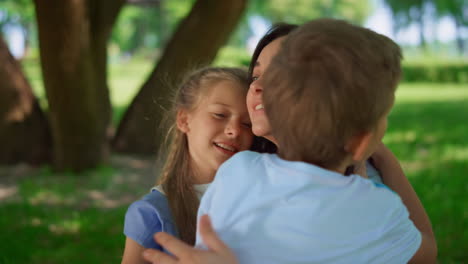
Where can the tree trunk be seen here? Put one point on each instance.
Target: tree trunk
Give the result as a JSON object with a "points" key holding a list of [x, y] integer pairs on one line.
{"points": [[422, 26], [459, 37], [195, 42], [24, 132], [73, 38]]}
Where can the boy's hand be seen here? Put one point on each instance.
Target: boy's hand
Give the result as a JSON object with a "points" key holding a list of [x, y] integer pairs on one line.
{"points": [[183, 253]]}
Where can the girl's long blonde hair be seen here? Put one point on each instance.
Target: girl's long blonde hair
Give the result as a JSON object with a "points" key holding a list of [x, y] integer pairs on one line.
{"points": [[177, 177]]}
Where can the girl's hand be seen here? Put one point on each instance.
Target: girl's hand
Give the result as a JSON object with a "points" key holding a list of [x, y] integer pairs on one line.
{"points": [[217, 251]]}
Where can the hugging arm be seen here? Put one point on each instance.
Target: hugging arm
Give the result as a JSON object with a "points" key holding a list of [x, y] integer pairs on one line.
{"points": [[394, 177]]}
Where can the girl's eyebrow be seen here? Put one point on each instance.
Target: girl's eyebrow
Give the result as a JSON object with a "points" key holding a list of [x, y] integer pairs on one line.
{"points": [[220, 103]]}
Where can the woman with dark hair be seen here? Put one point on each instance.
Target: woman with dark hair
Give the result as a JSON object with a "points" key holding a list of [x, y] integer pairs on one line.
{"points": [[390, 171]]}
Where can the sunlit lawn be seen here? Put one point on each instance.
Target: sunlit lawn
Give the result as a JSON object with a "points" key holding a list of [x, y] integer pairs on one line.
{"points": [[53, 220]]}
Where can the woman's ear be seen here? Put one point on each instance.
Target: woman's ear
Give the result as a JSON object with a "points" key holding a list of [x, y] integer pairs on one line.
{"points": [[359, 146], [182, 121]]}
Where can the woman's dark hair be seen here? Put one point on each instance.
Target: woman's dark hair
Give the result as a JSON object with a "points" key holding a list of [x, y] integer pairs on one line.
{"points": [[278, 30]]}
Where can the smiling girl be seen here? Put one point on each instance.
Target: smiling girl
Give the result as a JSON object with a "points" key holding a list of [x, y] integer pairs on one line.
{"points": [[210, 124]]}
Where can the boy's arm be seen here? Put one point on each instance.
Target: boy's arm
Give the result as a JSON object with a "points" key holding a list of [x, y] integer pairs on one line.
{"points": [[394, 177]]}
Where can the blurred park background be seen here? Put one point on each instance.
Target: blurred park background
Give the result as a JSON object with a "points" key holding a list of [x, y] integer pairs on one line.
{"points": [[83, 84]]}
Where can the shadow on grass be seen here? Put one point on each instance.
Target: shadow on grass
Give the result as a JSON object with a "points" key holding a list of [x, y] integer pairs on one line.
{"points": [[68, 218], [61, 234]]}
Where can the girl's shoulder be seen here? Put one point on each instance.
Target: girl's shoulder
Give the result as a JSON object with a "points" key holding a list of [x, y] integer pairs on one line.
{"points": [[154, 203], [147, 216]]}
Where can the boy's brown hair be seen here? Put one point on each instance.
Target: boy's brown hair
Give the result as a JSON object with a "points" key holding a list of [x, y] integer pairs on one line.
{"points": [[330, 81]]}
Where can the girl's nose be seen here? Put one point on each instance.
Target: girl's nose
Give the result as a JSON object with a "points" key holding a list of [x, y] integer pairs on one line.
{"points": [[233, 129]]}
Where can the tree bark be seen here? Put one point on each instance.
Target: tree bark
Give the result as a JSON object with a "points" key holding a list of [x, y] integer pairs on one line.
{"points": [[73, 38], [459, 37], [24, 131], [195, 42]]}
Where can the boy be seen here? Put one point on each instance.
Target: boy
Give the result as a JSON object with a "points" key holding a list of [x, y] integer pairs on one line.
{"points": [[327, 95]]}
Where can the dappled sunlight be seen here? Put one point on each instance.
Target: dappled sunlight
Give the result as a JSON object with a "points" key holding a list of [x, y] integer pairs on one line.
{"points": [[401, 136], [66, 226], [48, 197], [7, 191], [35, 221], [412, 167], [127, 180], [421, 92], [9, 178], [58, 226], [101, 199], [454, 153]]}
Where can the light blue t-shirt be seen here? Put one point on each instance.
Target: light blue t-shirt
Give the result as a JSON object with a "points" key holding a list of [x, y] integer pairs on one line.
{"points": [[268, 210]]}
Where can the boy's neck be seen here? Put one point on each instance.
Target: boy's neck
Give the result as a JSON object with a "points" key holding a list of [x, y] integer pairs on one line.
{"points": [[340, 169]]}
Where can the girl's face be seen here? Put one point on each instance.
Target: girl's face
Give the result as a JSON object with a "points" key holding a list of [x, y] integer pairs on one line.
{"points": [[260, 124], [217, 128]]}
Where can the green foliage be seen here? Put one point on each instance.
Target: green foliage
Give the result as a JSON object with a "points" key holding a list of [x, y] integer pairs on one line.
{"points": [[19, 13], [455, 9], [450, 72], [16, 12], [147, 27], [300, 11], [402, 11], [233, 57]]}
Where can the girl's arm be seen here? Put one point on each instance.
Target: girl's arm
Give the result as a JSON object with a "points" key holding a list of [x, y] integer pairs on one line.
{"points": [[394, 177], [133, 252], [142, 219], [217, 251]]}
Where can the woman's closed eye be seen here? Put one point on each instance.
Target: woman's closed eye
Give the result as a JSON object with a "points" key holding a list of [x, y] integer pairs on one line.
{"points": [[247, 125]]}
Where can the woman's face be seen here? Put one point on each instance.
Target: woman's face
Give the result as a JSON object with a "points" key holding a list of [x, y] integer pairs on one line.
{"points": [[260, 124]]}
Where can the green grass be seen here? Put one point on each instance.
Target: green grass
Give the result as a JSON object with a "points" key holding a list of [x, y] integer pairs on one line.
{"points": [[427, 131], [66, 219], [62, 218]]}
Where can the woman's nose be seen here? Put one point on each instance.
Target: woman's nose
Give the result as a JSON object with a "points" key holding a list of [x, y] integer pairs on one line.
{"points": [[256, 87]]}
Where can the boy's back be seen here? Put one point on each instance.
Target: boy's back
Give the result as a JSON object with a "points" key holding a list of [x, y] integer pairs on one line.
{"points": [[270, 210]]}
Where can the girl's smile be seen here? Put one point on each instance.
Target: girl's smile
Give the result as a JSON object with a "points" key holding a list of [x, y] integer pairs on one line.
{"points": [[217, 128]]}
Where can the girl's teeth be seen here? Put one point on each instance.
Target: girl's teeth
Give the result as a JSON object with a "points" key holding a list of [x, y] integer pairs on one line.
{"points": [[226, 147], [258, 107]]}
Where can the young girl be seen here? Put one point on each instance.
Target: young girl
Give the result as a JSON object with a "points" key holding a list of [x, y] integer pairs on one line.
{"points": [[210, 124]]}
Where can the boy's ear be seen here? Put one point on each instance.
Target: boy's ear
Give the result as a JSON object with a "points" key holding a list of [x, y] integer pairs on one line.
{"points": [[182, 121], [359, 145]]}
